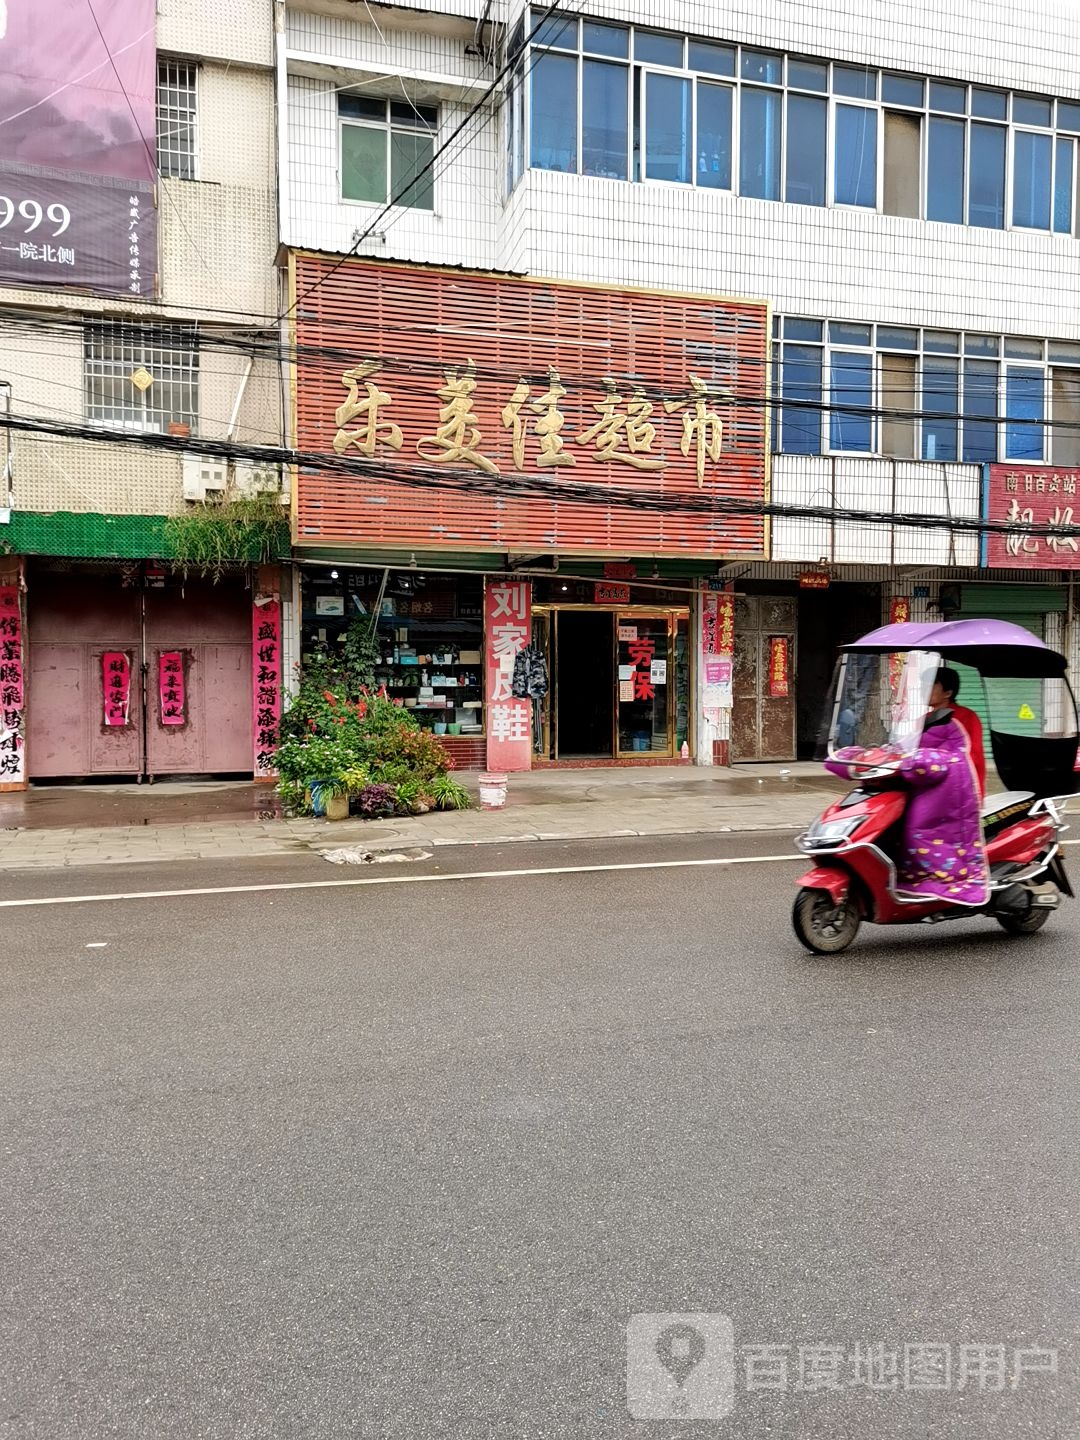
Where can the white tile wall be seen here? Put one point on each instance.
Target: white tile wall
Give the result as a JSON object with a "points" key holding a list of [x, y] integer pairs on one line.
{"points": [[910, 487], [461, 230], [241, 31]]}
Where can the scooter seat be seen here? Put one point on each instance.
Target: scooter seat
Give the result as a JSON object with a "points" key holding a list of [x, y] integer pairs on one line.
{"points": [[1005, 808]]}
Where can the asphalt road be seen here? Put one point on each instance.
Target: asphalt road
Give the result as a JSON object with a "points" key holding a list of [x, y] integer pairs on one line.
{"points": [[406, 1159]]}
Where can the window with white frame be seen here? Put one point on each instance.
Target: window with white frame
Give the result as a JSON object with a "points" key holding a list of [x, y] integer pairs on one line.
{"points": [[924, 394], [176, 119], [387, 151], [627, 103], [140, 377]]}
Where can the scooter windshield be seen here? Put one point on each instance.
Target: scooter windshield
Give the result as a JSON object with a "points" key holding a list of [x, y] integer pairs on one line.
{"points": [[880, 705]]}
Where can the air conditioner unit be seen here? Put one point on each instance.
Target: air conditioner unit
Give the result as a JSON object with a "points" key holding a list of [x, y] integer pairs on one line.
{"points": [[203, 475]]}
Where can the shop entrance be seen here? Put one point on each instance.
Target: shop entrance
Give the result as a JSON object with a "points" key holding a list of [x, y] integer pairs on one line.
{"points": [[584, 689], [619, 681]]}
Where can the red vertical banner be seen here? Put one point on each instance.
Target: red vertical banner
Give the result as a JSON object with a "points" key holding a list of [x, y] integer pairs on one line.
{"points": [[265, 684], [778, 666], [899, 614], [507, 628], [725, 624], [12, 690], [172, 689], [116, 689]]}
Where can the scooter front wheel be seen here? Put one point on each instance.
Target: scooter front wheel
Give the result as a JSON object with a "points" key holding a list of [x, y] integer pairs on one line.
{"points": [[823, 926]]}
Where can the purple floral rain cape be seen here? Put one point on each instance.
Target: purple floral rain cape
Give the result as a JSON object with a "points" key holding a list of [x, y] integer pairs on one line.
{"points": [[941, 852]]}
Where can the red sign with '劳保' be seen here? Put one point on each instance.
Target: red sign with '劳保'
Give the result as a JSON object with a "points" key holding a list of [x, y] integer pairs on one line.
{"points": [[1019, 496]]}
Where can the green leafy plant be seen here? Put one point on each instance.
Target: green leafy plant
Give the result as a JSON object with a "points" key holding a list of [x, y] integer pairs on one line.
{"points": [[212, 536], [359, 655], [450, 794]]}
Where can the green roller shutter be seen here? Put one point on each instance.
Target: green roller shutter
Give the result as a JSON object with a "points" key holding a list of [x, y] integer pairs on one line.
{"points": [[1018, 705]]}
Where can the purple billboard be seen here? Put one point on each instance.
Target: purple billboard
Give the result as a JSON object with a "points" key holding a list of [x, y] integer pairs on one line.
{"points": [[77, 122]]}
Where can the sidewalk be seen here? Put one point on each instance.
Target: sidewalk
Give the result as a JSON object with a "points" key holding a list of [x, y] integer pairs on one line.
{"points": [[57, 826]]}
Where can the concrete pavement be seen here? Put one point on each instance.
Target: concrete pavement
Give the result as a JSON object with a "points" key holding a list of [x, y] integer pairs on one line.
{"points": [[122, 825]]}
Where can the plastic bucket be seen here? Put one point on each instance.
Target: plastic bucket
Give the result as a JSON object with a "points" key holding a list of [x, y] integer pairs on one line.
{"points": [[492, 792]]}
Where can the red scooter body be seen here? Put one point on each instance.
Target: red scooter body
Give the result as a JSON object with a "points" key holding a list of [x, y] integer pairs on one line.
{"points": [[863, 863]]}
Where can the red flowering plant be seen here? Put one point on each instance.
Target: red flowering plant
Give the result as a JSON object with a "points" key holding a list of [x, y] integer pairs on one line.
{"points": [[364, 739]]}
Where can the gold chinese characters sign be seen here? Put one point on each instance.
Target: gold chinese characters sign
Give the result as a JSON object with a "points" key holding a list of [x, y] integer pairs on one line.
{"points": [[583, 415]]}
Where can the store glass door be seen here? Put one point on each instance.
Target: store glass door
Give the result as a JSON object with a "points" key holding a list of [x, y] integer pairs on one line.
{"points": [[643, 644]]}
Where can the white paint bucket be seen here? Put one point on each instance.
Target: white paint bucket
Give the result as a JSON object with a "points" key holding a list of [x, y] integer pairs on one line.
{"points": [[492, 792]]}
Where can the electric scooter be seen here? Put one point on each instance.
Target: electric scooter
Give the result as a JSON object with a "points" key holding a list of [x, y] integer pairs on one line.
{"points": [[881, 699]]}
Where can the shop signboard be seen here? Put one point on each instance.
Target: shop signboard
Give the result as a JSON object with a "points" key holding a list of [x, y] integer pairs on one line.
{"points": [[814, 580], [507, 627], [468, 414], [77, 168], [1023, 495], [606, 593], [12, 689]]}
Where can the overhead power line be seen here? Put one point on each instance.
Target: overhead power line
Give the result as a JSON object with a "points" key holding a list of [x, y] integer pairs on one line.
{"points": [[517, 487]]}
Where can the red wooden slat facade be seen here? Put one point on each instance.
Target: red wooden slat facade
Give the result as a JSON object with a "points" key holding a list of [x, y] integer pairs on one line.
{"points": [[417, 323]]}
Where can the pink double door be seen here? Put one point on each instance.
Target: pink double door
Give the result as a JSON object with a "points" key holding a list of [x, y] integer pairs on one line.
{"points": [[75, 619]]}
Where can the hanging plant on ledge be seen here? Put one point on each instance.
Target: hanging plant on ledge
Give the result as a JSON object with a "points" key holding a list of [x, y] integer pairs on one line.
{"points": [[213, 536]]}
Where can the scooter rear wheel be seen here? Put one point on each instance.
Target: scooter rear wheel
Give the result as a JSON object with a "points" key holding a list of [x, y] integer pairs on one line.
{"points": [[822, 926], [1032, 919]]}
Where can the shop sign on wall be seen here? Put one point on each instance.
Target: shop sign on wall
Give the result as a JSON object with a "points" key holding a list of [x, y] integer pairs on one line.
{"points": [[116, 688], [1020, 496], [507, 627], [12, 688], [606, 593], [265, 683]]}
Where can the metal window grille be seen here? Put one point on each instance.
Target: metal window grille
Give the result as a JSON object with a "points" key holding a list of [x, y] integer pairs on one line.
{"points": [[114, 352], [176, 118]]}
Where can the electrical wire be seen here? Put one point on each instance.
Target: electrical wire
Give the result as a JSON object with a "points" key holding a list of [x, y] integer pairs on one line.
{"points": [[518, 487]]}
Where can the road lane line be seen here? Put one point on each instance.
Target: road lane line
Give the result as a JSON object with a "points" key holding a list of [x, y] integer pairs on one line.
{"points": [[715, 860], [403, 880]]}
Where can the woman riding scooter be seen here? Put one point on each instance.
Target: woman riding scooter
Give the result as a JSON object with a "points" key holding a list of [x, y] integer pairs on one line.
{"points": [[941, 847]]}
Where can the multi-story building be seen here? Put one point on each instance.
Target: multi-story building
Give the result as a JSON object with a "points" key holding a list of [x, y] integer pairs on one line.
{"points": [[902, 192], [138, 302]]}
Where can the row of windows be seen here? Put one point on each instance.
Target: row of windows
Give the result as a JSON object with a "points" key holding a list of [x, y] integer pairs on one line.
{"points": [[631, 104], [924, 394]]}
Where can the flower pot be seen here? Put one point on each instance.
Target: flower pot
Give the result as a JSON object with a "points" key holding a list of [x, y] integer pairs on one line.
{"points": [[454, 728], [337, 806], [439, 727], [318, 805]]}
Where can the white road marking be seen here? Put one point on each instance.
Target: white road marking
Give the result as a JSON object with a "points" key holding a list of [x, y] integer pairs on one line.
{"points": [[404, 880], [714, 860]]}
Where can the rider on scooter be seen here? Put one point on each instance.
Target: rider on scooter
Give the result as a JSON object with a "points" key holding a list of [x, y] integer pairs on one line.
{"points": [[940, 854]]}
